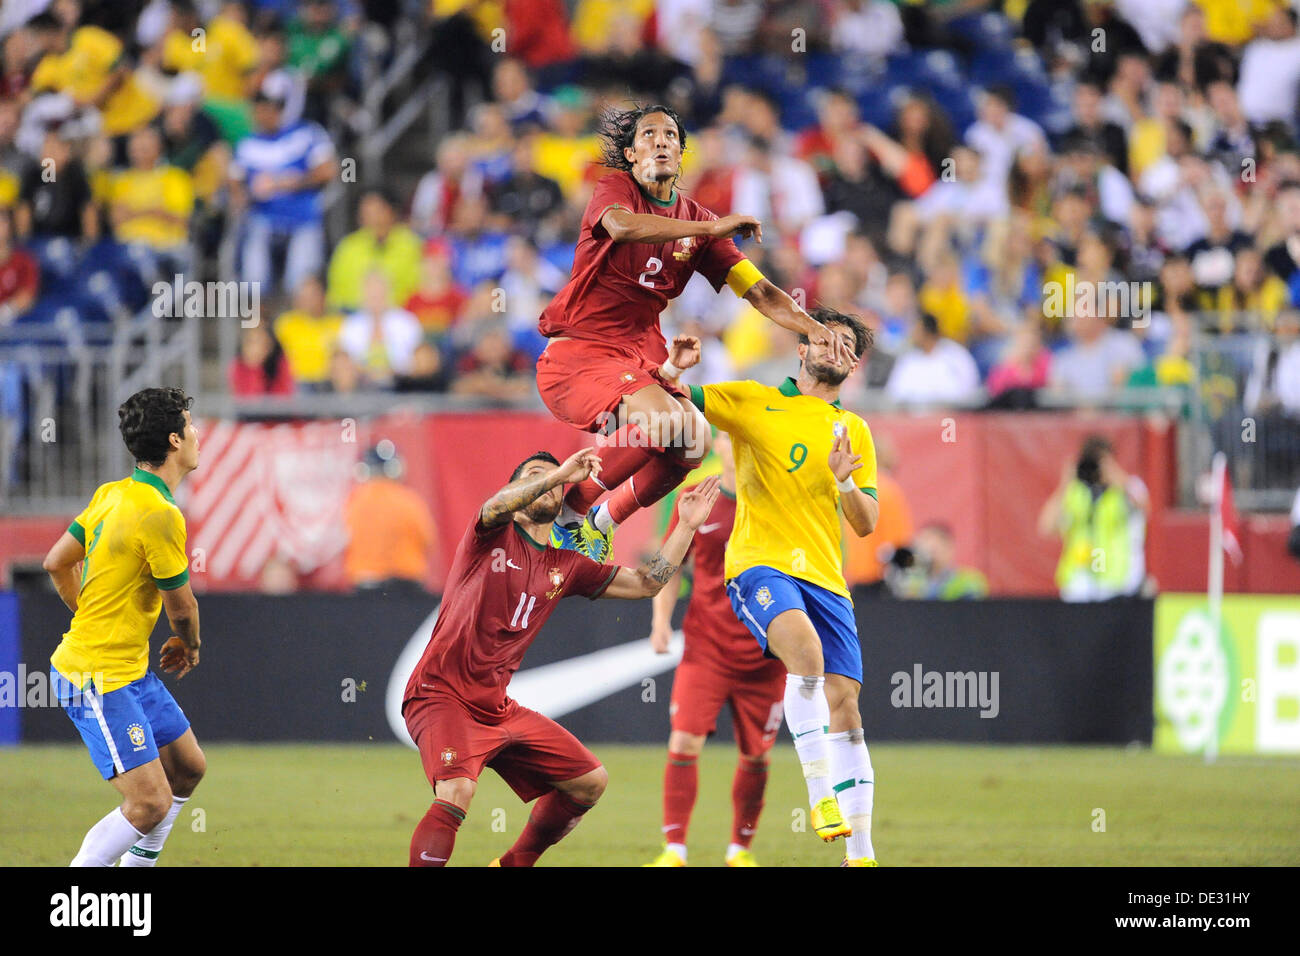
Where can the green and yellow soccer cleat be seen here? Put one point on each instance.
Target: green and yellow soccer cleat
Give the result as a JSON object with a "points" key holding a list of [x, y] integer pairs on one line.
{"points": [[827, 821], [860, 861], [593, 543], [564, 536], [742, 858], [666, 857]]}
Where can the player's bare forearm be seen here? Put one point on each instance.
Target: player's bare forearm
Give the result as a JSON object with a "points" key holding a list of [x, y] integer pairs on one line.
{"points": [[625, 226], [62, 564], [183, 614], [771, 300], [517, 496], [655, 572], [664, 602], [861, 510]]}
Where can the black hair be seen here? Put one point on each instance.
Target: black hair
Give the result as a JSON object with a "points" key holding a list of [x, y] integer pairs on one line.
{"points": [[618, 130], [863, 338], [929, 323], [535, 456], [1003, 92], [149, 418]]}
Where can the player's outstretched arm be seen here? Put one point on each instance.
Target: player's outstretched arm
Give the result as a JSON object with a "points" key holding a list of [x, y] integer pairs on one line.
{"points": [[180, 654], [61, 565], [861, 510], [770, 299], [518, 495], [693, 509], [661, 617], [623, 225]]}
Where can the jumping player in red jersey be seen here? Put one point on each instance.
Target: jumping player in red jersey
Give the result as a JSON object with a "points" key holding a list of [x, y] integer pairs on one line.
{"points": [[503, 585], [606, 368], [722, 664]]}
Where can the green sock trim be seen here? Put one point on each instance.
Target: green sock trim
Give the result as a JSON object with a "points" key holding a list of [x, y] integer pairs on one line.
{"points": [[678, 763], [147, 854], [451, 808]]}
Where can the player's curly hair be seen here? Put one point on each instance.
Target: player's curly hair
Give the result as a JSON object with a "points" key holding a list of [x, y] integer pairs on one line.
{"points": [[535, 456], [617, 129], [149, 418], [863, 337]]}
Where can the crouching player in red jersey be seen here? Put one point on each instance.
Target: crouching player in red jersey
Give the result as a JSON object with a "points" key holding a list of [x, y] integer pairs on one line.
{"points": [[722, 664], [606, 367], [503, 585]]}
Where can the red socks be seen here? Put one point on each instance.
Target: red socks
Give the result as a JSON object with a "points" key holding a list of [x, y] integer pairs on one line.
{"points": [[747, 799], [553, 816], [681, 781], [647, 486], [435, 835], [627, 451]]}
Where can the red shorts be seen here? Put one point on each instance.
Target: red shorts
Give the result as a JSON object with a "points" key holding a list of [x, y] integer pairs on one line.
{"points": [[699, 691], [582, 382], [529, 752]]}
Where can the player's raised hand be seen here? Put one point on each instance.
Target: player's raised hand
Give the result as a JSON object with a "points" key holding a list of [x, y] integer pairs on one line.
{"points": [[693, 506], [660, 638], [834, 345], [579, 466], [737, 227], [685, 351], [842, 460], [177, 658]]}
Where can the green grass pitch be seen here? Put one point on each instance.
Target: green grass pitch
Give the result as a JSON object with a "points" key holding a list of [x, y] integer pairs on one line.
{"points": [[355, 805]]}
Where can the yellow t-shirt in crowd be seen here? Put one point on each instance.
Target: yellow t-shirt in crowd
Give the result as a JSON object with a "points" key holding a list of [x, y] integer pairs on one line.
{"points": [[308, 342], [81, 72], [163, 189]]}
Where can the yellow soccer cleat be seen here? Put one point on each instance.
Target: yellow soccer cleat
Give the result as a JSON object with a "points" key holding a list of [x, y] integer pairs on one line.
{"points": [[666, 857], [859, 861], [496, 862], [742, 858], [827, 821], [592, 542]]}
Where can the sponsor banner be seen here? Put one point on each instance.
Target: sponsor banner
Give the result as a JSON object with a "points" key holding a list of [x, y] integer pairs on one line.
{"points": [[333, 667], [1234, 690]]}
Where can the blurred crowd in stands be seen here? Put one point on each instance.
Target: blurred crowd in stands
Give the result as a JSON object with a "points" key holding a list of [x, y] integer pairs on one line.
{"points": [[1053, 200]]}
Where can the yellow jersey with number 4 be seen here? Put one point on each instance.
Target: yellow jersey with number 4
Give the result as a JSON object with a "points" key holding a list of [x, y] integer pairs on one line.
{"points": [[134, 536], [787, 502]]}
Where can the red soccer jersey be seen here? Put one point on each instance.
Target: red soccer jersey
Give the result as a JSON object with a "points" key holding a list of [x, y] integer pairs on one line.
{"points": [[617, 290], [714, 635], [501, 589]]}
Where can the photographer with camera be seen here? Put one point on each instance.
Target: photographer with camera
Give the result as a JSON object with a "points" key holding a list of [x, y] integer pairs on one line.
{"points": [[1100, 512]]}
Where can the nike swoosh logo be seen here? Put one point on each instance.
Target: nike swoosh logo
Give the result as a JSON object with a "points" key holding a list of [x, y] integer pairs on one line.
{"points": [[771, 409], [552, 690], [706, 528], [432, 859], [511, 564]]}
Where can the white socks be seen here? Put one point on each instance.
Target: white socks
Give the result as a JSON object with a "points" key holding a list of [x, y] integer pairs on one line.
{"points": [[602, 520], [809, 716], [144, 852], [679, 849], [106, 840], [567, 515], [854, 788]]}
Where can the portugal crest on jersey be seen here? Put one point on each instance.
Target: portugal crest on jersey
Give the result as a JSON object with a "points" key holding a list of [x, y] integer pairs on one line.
{"points": [[557, 582], [686, 245]]}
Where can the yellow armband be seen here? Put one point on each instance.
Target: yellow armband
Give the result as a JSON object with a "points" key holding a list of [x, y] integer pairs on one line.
{"points": [[742, 277]]}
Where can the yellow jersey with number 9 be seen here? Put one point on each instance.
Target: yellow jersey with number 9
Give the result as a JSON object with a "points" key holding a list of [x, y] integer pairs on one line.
{"points": [[134, 536], [787, 502]]}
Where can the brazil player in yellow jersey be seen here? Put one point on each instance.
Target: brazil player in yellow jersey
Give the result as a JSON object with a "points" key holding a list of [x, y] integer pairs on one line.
{"points": [[121, 560], [800, 459]]}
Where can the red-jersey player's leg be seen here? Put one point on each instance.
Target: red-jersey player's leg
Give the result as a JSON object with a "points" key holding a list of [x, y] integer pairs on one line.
{"points": [[698, 696], [453, 749], [544, 760], [756, 708]]}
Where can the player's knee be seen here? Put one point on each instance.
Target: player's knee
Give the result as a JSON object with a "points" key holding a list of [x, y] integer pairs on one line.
{"points": [[189, 773], [592, 787], [459, 791], [147, 809], [688, 745]]}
